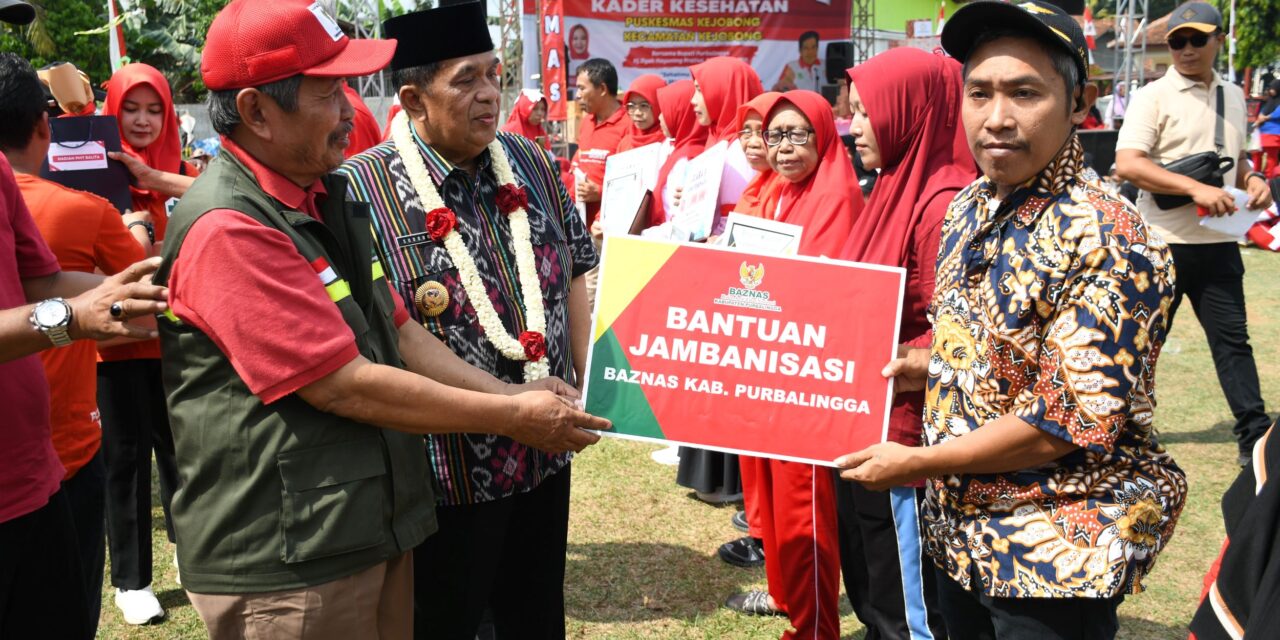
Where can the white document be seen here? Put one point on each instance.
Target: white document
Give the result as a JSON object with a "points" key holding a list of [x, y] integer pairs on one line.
{"points": [[627, 176], [77, 156], [759, 235], [699, 202], [1236, 224]]}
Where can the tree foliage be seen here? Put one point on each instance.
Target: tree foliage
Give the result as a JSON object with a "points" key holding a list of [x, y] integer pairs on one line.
{"points": [[1257, 43], [53, 37], [169, 35]]}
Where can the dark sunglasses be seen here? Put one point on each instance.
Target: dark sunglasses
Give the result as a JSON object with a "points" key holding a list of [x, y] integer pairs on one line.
{"points": [[1198, 40]]}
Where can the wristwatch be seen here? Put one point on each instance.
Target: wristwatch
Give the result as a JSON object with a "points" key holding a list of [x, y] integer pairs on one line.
{"points": [[1256, 174], [52, 317]]}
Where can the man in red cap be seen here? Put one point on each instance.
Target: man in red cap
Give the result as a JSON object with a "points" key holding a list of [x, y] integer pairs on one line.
{"points": [[298, 390]]}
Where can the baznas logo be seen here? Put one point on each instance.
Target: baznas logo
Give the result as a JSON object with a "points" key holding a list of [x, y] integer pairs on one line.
{"points": [[751, 276]]}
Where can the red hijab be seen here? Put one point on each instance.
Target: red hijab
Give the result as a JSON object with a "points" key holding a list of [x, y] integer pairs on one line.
{"points": [[518, 123], [646, 86], [828, 201], [912, 99], [688, 137], [760, 198], [165, 153], [726, 84]]}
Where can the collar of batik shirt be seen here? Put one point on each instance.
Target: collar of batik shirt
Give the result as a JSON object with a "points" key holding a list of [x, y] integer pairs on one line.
{"points": [[1054, 180], [439, 167]]}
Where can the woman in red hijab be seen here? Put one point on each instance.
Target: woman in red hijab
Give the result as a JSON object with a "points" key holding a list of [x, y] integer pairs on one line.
{"points": [[131, 398], [760, 199], [821, 190], [725, 84], [906, 123], [796, 502], [138, 96], [527, 116], [641, 102], [688, 139]]}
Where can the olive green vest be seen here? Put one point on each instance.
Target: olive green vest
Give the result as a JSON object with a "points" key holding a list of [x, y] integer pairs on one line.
{"points": [[284, 496]]}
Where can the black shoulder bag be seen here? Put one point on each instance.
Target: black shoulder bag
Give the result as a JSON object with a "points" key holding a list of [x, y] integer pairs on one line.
{"points": [[1208, 167]]}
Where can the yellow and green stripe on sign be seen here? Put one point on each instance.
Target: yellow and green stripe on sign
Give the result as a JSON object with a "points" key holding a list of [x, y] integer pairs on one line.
{"points": [[619, 287]]}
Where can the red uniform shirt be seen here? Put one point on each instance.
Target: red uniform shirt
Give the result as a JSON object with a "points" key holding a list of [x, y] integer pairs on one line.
{"points": [[246, 286], [29, 468], [596, 142]]}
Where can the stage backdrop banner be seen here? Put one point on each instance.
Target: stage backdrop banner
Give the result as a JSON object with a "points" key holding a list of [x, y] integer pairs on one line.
{"points": [[553, 73], [763, 355], [667, 37]]}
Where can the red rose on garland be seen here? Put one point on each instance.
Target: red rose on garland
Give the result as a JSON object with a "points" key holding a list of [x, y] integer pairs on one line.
{"points": [[535, 346], [440, 222], [510, 198]]}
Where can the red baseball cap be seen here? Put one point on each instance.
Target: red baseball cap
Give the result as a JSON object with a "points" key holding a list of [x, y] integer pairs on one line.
{"points": [[256, 42]]}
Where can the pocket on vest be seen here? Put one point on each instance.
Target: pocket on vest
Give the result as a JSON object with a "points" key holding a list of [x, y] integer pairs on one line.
{"points": [[332, 500]]}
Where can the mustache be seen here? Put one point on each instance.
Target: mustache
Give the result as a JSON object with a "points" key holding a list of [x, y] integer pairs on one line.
{"points": [[343, 129]]}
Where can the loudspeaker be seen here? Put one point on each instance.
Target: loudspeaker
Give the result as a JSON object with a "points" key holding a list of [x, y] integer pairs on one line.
{"points": [[1073, 7], [839, 58]]}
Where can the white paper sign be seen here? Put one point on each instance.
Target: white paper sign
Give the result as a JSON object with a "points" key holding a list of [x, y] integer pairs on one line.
{"points": [[699, 201], [759, 235], [1236, 224], [627, 176], [77, 156]]}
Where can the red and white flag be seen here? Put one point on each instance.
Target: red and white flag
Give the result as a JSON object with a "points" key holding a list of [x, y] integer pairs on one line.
{"points": [[1090, 31], [942, 16], [116, 34]]}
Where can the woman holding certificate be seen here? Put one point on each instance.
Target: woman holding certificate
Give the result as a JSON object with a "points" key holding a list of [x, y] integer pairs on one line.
{"points": [[795, 501], [688, 139], [906, 122], [641, 102], [131, 398]]}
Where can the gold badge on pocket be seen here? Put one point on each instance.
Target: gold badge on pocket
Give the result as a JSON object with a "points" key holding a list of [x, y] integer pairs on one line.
{"points": [[432, 299]]}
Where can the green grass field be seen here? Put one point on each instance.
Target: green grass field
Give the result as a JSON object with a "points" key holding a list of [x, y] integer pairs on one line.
{"points": [[642, 562]]}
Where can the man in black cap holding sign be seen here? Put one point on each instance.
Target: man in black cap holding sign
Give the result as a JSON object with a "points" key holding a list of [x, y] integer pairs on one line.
{"points": [[476, 229], [1049, 496]]}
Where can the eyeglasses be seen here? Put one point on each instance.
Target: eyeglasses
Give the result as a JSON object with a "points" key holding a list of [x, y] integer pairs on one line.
{"points": [[631, 106], [798, 137], [749, 133], [1178, 42]]}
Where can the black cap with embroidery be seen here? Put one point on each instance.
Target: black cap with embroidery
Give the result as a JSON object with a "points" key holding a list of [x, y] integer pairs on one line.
{"points": [[16, 12], [1201, 16], [1039, 20], [454, 29]]}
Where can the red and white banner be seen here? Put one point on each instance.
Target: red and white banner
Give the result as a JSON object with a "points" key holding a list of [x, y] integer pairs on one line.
{"points": [[666, 37], [551, 24]]}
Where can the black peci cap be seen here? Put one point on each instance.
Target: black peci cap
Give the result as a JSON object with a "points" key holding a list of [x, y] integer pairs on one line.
{"points": [[1039, 20], [452, 30]]}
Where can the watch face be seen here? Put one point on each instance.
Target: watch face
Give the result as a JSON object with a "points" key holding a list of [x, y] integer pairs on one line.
{"points": [[51, 313]]}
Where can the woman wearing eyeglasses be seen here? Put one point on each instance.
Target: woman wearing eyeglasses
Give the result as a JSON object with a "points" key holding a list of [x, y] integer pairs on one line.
{"points": [[797, 503], [906, 123], [641, 102]]}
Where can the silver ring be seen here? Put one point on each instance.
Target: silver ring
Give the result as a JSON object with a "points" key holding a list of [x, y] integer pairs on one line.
{"points": [[117, 310]]}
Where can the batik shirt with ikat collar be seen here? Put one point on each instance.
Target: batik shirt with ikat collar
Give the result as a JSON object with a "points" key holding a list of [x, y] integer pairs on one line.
{"points": [[1051, 306]]}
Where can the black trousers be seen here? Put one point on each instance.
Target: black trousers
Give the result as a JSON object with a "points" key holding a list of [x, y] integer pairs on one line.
{"points": [[890, 585], [135, 423], [507, 556], [87, 496], [40, 575], [976, 616], [1211, 276]]}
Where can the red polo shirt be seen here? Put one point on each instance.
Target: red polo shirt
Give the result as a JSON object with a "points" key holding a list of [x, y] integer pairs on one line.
{"points": [[246, 286], [29, 469], [596, 142]]}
